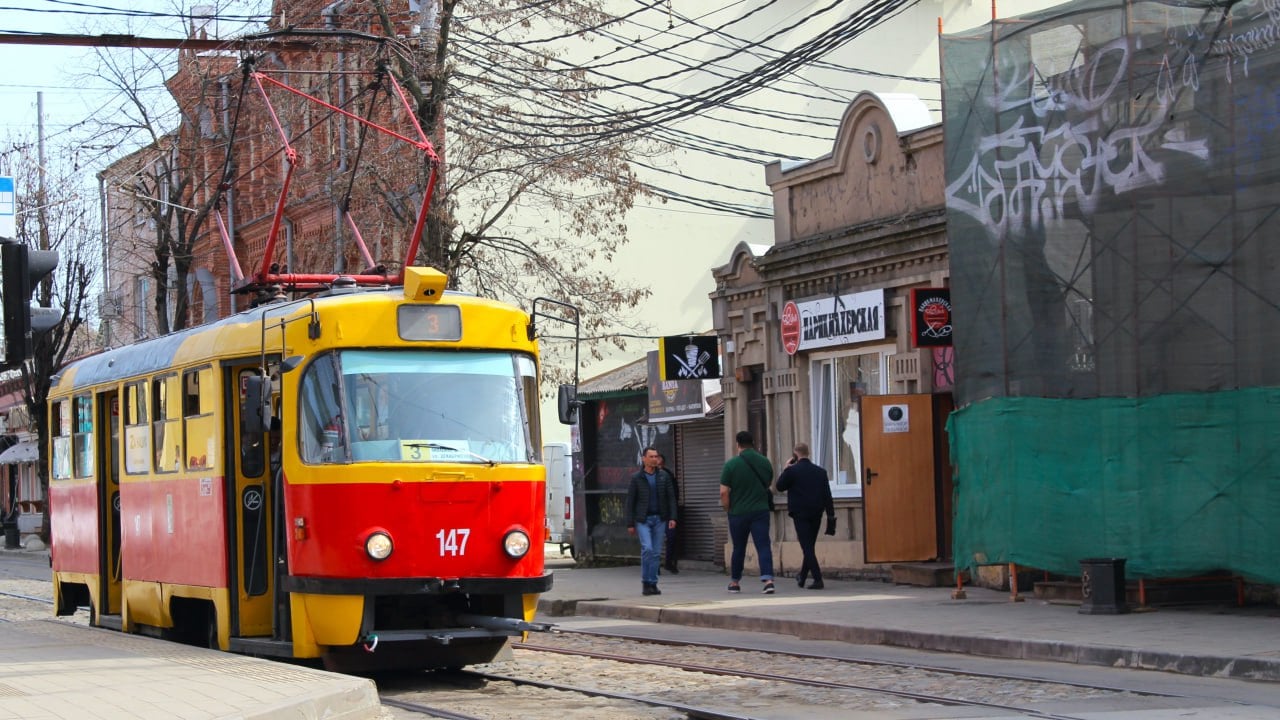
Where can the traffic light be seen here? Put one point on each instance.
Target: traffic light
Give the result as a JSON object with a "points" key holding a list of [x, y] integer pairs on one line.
{"points": [[23, 269]]}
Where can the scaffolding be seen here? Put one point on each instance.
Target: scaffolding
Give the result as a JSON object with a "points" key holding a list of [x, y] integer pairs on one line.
{"points": [[1113, 214]]}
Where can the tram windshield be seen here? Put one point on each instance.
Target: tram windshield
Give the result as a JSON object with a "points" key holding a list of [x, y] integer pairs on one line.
{"points": [[419, 406]]}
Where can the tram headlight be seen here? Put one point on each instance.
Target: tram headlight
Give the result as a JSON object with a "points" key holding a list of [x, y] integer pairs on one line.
{"points": [[516, 543], [378, 545]]}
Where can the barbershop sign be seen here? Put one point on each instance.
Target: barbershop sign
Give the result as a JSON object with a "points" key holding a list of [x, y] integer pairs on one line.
{"points": [[840, 320]]}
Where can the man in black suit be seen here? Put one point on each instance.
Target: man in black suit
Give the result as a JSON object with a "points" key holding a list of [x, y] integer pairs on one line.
{"points": [[808, 496]]}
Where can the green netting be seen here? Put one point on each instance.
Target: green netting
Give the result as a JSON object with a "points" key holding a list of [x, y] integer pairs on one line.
{"points": [[1179, 484]]}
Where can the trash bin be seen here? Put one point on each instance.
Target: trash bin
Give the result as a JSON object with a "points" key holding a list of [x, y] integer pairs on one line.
{"points": [[11, 535], [1102, 584]]}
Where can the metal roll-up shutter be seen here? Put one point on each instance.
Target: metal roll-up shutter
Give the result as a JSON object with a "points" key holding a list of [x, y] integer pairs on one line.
{"points": [[703, 530]]}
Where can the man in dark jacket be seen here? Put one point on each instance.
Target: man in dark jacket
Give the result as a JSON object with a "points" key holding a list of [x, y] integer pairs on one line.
{"points": [[650, 511], [808, 495]]}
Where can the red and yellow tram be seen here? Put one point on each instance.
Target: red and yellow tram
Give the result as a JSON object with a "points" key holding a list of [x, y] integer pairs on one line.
{"points": [[354, 476]]}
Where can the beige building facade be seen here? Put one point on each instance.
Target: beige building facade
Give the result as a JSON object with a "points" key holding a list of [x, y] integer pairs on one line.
{"points": [[816, 326]]}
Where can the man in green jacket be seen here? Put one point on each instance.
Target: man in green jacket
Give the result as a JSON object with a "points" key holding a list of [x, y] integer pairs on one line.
{"points": [[745, 494]]}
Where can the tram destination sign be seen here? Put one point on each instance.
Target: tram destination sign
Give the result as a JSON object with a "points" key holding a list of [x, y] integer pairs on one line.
{"points": [[840, 320]]}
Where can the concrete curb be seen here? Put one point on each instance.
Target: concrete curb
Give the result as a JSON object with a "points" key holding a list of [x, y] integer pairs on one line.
{"points": [[1266, 669]]}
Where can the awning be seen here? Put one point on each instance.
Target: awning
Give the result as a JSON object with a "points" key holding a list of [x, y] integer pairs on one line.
{"points": [[23, 452]]}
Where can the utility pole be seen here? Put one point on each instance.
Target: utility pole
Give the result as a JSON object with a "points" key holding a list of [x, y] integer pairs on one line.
{"points": [[42, 217]]}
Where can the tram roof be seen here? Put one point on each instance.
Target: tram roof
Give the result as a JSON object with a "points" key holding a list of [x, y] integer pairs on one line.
{"points": [[149, 356], [223, 336]]}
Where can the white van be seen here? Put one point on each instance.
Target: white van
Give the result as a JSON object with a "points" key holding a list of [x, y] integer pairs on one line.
{"points": [[559, 523]]}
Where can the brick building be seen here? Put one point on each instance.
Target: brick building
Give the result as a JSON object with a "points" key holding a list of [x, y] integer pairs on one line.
{"points": [[177, 183]]}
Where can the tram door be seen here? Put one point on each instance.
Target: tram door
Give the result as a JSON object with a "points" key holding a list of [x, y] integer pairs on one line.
{"points": [[109, 500], [250, 517]]}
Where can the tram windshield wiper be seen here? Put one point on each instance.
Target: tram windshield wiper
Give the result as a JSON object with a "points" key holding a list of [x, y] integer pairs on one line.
{"points": [[447, 448]]}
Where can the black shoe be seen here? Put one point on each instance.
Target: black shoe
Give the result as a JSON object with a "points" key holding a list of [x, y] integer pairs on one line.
{"points": [[817, 585], [735, 587], [650, 589], [672, 569], [768, 587], [800, 580], [653, 589]]}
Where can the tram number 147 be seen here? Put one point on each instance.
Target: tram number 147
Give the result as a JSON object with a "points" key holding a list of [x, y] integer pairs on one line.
{"points": [[453, 542]]}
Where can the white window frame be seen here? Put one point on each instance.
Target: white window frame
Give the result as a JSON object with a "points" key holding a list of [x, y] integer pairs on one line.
{"points": [[842, 486]]}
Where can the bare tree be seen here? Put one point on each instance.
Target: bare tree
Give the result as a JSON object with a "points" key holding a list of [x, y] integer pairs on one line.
{"points": [[54, 211], [518, 212], [174, 179]]}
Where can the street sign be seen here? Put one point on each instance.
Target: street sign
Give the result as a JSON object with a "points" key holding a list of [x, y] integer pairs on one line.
{"points": [[790, 328], [8, 206]]}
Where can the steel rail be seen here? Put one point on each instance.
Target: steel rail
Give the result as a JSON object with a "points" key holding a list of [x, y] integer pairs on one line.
{"points": [[770, 677]]}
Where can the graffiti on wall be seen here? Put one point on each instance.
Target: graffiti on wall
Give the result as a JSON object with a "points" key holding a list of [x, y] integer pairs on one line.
{"points": [[1071, 140]]}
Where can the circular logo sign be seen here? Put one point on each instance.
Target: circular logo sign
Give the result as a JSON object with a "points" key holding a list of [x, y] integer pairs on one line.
{"points": [[252, 500], [790, 328], [936, 314]]}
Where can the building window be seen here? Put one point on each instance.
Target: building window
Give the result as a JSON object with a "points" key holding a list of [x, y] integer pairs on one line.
{"points": [[835, 384]]}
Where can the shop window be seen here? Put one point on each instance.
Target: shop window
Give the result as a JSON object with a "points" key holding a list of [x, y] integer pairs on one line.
{"points": [[835, 384]]}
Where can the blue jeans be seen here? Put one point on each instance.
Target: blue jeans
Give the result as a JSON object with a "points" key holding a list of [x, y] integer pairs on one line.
{"points": [[651, 533], [756, 525]]}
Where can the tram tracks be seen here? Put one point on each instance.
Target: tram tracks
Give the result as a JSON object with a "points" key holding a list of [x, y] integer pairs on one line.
{"points": [[730, 683], [770, 677], [858, 661], [33, 598]]}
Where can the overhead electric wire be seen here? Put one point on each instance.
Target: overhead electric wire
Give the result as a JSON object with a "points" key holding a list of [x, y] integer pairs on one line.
{"points": [[769, 112], [667, 76], [108, 11], [624, 121], [819, 64]]}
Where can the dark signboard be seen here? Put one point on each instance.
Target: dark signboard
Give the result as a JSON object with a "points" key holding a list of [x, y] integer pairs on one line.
{"points": [[930, 317], [671, 400], [689, 357]]}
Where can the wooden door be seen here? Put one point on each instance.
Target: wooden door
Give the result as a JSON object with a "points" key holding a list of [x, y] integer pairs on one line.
{"points": [[898, 492]]}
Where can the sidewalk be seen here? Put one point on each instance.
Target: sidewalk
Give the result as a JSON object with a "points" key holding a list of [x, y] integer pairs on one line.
{"points": [[54, 671], [1239, 643]]}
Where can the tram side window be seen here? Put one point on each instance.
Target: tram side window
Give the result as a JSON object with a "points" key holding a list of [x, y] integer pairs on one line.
{"points": [[137, 430], [199, 398], [528, 373], [82, 443], [60, 432], [322, 432], [166, 407]]}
